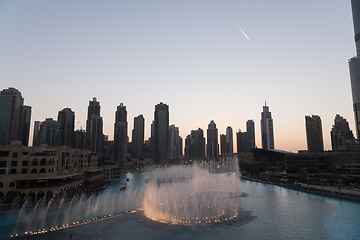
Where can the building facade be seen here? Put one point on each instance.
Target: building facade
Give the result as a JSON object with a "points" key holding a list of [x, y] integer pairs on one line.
{"points": [[67, 119], [138, 137], [50, 132], [161, 133], [314, 136], [175, 142], [341, 135], [267, 129], [94, 128], [212, 147], [229, 141], [241, 141], [120, 136], [250, 135]]}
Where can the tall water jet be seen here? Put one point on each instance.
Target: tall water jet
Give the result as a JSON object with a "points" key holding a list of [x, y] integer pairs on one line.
{"points": [[46, 211], [191, 195]]}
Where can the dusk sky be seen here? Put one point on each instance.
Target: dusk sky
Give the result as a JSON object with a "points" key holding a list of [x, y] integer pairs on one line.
{"points": [[190, 55]]}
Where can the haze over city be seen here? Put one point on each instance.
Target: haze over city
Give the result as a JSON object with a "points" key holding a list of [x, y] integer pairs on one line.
{"points": [[192, 56]]}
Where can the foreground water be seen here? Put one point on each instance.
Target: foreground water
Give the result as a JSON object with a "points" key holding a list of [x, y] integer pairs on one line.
{"points": [[275, 213]]}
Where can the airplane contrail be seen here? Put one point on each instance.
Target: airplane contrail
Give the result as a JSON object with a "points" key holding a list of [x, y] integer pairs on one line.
{"points": [[243, 32]]}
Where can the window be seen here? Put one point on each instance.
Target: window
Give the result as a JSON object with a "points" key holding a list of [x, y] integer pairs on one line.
{"points": [[42, 170], [4, 153], [24, 170], [34, 170], [12, 184], [13, 163], [1, 184], [25, 153], [2, 163], [43, 162], [2, 171], [25, 163], [15, 155], [13, 171], [35, 162]]}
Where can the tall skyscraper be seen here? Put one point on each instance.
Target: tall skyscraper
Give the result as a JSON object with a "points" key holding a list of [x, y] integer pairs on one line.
{"points": [[212, 147], [13, 125], [67, 119], [36, 134], [250, 135], [229, 141], [314, 134], [138, 137], [120, 135], [175, 142], [354, 65], [161, 133], [94, 128], [341, 135], [267, 130], [50, 132], [241, 141], [223, 144]]}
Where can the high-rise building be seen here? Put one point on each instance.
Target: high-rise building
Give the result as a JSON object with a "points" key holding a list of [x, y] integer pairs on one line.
{"points": [[138, 137], [175, 142], [13, 125], [67, 119], [250, 135], [50, 132], [195, 145], [36, 134], [120, 135], [341, 135], [314, 134], [229, 141], [241, 141], [161, 133], [79, 139], [354, 65], [212, 147], [267, 130], [94, 128], [223, 144]]}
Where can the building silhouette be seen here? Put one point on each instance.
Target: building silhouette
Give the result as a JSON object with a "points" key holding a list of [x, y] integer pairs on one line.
{"points": [[314, 136], [212, 147], [229, 141], [138, 137], [267, 130], [67, 119], [250, 135], [14, 117], [241, 141], [354, 65], [341, 135], [161, 133], [94, 128], [175, 142], [223, 144], [195, 145], [50, 132], [120, 136], [36, 133]]}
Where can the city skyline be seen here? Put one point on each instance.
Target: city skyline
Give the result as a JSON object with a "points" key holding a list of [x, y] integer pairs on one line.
{"points": [[200, 65]]}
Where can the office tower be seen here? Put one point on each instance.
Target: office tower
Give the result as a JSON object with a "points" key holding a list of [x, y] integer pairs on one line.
{"points": [[241, 139], [341, 135], [36, 134], [50, 132], [12, 125], [25, 125], [187, 149], [175, 142], [354, 65], [120, 135], [195, 145], [229, 141], [223, 144], [212, 147], [161, 133], [250, 135], [67, 119], [138, 137], [94, 128], [314, 134], [79, 139], [267, 130]]}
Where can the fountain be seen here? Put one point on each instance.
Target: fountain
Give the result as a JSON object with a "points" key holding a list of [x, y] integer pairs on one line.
{"points": [[191, 195]]}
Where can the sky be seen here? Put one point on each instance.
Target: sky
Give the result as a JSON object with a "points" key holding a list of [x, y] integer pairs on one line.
{"points": [[190, 55]]}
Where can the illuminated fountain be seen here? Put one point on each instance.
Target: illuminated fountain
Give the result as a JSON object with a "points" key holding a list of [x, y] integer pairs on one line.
{"points": [[191, 195]]}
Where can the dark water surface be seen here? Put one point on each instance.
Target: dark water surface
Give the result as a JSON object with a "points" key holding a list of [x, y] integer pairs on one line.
{"points": [[272, 212]]}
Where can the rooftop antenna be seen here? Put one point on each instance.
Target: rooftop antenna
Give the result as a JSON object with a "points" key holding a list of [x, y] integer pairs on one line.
{"points": [[265, 103]]}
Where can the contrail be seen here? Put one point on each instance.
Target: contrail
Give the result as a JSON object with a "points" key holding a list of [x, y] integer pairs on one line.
{"points": [[243, 32]]}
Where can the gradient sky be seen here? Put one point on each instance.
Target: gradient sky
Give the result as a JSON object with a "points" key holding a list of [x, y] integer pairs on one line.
{"points": [[190, 55]]}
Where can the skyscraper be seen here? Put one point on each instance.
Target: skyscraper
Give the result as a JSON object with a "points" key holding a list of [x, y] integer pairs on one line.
{"points": [[314, 134], [138, 137], [50, 132], [161, 133], [13, 126], [175, 142], [36, 134], [241, 141], [354, 65], [229, 141], [94, 128], [341, 135], [67, 119], [250, 135], [223, 144], [212, 147], [267, 130], [120, 135]]}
